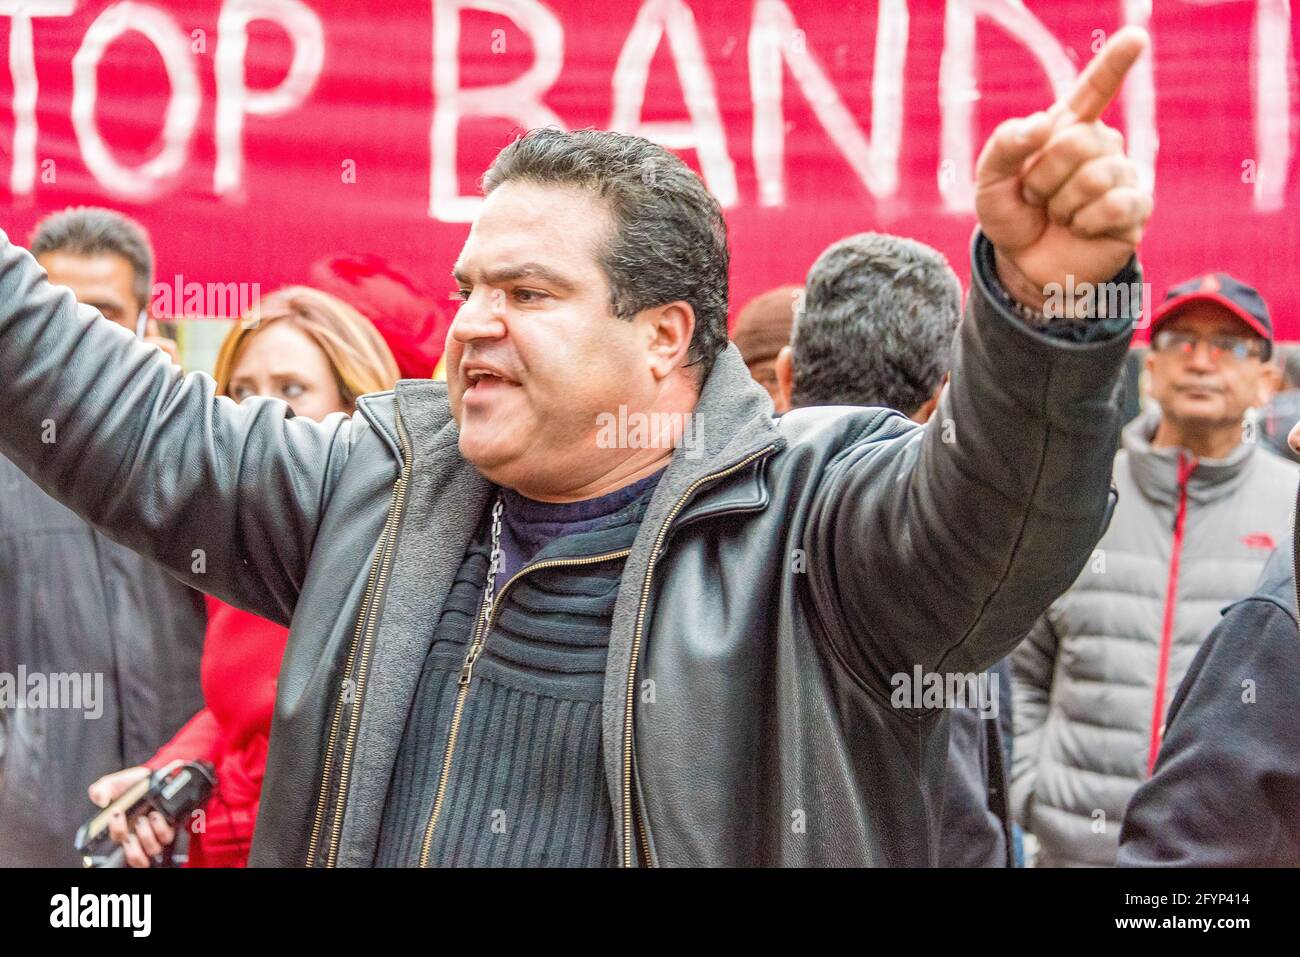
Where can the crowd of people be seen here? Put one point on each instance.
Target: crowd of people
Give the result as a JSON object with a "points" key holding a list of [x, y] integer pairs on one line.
{"points": [[415, 622]]}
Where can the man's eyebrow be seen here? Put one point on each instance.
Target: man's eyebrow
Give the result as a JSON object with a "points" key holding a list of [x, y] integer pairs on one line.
{"points": [[527, 270]]}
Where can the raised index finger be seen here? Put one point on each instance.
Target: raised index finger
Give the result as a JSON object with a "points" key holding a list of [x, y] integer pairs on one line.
{"points": [[1103, 76]]}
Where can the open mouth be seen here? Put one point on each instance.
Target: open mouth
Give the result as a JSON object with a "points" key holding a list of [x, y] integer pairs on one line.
{"points": [[483, 381]]}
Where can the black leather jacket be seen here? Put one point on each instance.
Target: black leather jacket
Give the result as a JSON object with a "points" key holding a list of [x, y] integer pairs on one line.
{"points": [[785, 570]]}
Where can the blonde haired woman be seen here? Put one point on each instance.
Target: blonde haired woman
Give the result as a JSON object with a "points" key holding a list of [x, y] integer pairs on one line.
{"points": [[317, 354]]}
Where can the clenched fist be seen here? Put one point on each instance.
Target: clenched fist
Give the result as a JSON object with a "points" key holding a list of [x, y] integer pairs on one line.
{"points": [[1055, 192]]}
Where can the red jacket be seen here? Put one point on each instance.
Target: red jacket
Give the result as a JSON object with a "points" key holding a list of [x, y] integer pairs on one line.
{"points": [[241, 659]]}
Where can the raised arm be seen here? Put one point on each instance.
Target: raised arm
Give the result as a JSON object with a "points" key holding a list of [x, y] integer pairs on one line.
{"points": [[225, 496], [938, 547]]}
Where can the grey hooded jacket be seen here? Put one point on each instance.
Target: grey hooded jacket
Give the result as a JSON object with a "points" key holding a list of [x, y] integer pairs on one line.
{"points": [[1095, 677], [784, 571]]}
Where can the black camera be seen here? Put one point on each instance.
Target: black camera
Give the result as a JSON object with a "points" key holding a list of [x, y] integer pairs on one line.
{"points": [[173, 791]]}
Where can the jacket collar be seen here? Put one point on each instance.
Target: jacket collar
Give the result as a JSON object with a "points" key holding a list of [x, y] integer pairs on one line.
{"points": [[732, 420], [1155, 470]]}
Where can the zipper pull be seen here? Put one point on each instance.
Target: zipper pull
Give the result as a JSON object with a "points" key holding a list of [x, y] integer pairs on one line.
{"points": [[468, 667]]}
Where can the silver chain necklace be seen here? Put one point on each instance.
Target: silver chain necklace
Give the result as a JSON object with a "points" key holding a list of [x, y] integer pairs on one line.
{"points": [[494, 560]]}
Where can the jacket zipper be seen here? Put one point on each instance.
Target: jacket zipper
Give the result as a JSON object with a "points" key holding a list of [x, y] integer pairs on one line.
{"points": [[481, 631], [634, 826], [1186, 465], [359, 657]]}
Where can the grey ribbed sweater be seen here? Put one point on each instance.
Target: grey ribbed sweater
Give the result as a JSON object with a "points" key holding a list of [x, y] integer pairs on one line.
{"points": [[526, 783]]}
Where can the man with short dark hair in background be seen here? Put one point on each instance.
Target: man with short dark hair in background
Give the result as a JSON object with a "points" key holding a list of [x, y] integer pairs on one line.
{"points": [[107, 260], [877, 326], [74, 603], [876, 329]]}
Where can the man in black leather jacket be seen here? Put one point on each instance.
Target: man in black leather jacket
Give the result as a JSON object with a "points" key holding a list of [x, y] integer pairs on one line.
{"points": [[781, 570]]}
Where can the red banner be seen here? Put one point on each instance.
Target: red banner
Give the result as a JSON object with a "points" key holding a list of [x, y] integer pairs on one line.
{"points": [[253, 137]]}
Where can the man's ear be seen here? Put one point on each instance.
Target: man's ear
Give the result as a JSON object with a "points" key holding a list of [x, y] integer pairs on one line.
{"points": [[784, 366], [670, 329]]}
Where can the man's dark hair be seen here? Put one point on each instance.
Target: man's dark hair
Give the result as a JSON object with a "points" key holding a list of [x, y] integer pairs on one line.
{"points": [[94, 231], [669, 241], [876, 326]]}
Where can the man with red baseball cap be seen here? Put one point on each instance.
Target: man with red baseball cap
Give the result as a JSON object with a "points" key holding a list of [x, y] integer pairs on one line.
{"points": [[1204, 393], [1199, 510], [1232, 296]]}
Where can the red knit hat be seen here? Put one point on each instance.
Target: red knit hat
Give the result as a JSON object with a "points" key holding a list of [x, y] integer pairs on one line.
{"points": [[406, 314]]}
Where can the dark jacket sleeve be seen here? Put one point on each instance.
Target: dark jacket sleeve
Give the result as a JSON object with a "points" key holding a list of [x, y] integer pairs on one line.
{"points": [[1226, 787], [226, 496], [943, 544]]}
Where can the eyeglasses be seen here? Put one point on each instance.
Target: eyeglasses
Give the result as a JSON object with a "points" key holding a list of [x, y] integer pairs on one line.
{"points": [[1232, 348]]}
